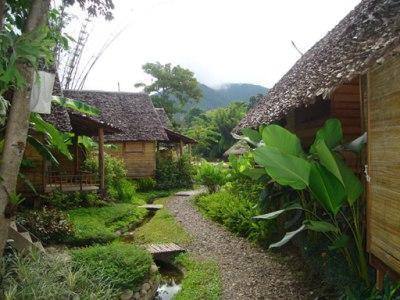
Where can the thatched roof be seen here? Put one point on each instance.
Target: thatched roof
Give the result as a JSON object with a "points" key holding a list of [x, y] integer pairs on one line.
{"points": [[133, 113], [365, 36], [164, 118], [173, 136], [239, 148]]}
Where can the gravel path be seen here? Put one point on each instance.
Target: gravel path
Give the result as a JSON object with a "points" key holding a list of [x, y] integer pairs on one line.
{"points": [[247, 271]]}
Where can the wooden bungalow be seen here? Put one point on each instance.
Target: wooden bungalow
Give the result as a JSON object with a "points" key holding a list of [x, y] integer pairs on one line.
{"points": [[176, 140], [141, 127], [68, 175], [353, 74]]}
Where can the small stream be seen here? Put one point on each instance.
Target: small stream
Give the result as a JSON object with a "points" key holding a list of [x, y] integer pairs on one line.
{"points": [[170, 283]]}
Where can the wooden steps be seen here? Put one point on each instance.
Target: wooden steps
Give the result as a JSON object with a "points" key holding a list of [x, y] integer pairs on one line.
{"points": [[22, 239], [152, 207], [158, 250]]}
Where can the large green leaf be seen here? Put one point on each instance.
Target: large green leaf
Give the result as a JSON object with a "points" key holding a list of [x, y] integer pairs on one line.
{"points": [[331, 133], [254, 173], [283, 168], [77, 105], [43, 150], [327, 159], [282, 139], [320, 226], [288, 236], [57, 139], [352, 184], [326, 188], [275, 214], [341, 242], [252, 134]]}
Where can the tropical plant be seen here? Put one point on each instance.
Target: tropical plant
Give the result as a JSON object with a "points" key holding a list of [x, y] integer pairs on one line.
{"points": [[212, 129], [32, 275], [213, 176], [327, 188]]}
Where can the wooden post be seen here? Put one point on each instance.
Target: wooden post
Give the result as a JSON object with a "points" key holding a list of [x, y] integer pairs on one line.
{"points": [[76, 153], [101, 159]]}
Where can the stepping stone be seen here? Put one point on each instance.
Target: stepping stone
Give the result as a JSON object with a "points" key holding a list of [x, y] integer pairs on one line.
{"points": [[152, 207], [189, 193]]}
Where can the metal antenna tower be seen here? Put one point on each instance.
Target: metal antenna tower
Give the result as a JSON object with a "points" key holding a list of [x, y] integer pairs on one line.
{"points": [[74, 58]]}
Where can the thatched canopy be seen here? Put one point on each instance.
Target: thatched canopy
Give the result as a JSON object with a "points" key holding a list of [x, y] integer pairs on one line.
{"points": [[239, 148], [173, 136], [68, 120], [164, 118], [364, 37], [133, 113]]}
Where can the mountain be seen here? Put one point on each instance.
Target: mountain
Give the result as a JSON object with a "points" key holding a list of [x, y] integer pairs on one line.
{"points": [[222, 96]]}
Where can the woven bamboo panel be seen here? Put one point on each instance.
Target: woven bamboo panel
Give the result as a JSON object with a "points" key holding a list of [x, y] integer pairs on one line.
{"points": [[384, 162], [139, 157]]}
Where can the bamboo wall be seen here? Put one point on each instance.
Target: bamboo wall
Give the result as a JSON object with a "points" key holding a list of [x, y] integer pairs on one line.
{"points": [[383, 213], [139, 157], [36, 173]]}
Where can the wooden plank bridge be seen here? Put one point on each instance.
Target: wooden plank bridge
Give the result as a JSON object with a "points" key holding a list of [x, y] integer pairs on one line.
{"points": [[164, 251]]}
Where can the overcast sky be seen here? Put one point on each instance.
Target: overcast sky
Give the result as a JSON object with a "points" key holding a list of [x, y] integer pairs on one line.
{"points": [[221, 41]]}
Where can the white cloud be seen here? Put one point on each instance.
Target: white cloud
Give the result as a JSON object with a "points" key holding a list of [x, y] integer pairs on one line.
{"points": [[220, 40]]}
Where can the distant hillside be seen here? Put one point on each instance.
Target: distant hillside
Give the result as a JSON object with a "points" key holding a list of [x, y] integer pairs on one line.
{"points": [[213, 98]]}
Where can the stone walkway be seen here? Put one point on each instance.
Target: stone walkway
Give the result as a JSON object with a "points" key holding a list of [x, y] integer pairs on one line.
{"points": [[247, 271]]}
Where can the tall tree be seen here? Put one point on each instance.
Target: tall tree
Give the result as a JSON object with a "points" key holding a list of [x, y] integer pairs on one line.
{"points": [[172, 88], [212, 129], [30, 44]]}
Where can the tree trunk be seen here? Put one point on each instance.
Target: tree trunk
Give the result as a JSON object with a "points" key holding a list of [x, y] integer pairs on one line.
{"points": [[18, 125]]}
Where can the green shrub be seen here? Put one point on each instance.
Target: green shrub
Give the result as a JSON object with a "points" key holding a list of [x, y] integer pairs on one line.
{"points": [[201, 281], [37, 276], [50, 225], [213, 176], [125, 266], [126, 190], [119, 187], [145, 184], [235, 213], [62, 200], [99, 224], [174, 173]]}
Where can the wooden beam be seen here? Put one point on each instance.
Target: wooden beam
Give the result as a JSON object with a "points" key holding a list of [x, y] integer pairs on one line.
{"points": [[101, 159]]}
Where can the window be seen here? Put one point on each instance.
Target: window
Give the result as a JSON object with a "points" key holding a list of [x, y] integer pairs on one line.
{"points": [[134, 147]]}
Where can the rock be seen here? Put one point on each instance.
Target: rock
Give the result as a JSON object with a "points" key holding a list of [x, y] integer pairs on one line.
{"points": [[143, 292], [126, 295], [153, 269], [146, 286], [136, 296], [118, 232]]}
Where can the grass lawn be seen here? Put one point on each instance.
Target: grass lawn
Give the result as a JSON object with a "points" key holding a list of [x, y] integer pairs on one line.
{"points": [[201, 280], [99, 224], [162, 228]]}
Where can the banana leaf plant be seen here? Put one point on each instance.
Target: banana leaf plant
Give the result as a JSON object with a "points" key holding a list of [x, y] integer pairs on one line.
{"points": [[328, 189]]}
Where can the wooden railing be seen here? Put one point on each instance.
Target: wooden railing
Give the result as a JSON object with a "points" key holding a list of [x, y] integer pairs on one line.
{"points": [[82, 179]]}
